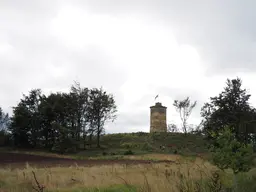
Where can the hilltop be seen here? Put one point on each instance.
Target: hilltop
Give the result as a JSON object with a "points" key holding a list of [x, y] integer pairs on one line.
{"points": [[142, 143]]}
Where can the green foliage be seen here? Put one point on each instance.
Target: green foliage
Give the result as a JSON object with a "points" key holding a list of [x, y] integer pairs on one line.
{"points": [[129, 152], [230, 108], [61, 121], [157, 136], [228, 152], [151, 142], [26, 120], [147, 147], [115, 188], [130, 145], [217, 181], [244, 182], [101, 108]]}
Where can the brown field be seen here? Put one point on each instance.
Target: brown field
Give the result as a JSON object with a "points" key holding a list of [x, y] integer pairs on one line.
{"points": [[18, 160], [64, 174]]}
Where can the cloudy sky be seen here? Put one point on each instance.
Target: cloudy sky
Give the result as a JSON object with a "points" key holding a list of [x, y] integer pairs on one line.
{"points": [[135, 49]]}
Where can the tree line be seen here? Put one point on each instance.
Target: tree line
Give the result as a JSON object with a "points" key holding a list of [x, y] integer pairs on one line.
{"points": [[228, 124], [60, 121], [63, 121], [230, 108]]}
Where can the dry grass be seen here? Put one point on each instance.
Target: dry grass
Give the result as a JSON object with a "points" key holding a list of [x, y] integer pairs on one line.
{"points": [[152, 177], [157, 156], [151, 156]]}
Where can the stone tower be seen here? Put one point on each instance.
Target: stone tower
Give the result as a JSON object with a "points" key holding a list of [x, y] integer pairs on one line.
{"points": [[158, 118]]}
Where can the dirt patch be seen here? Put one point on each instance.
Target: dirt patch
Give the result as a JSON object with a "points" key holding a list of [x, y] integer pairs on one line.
{"points": [[18, 160]]}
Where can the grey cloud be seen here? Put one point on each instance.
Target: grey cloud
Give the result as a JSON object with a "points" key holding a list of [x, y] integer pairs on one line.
{"points": [[26, 29], [180, 94], [30, 7], [222, 31], [131, 122], [91, 68]]}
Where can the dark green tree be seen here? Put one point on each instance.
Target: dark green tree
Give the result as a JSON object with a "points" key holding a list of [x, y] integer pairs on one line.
{"points": [[26, 120], [54, 112], [230, 108], [65, 118], [60, 120], [101, 109], [79, 106]]}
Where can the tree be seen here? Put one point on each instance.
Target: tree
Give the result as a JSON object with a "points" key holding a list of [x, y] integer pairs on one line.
{"points": [[101, 108], [26, 120], [60, 120], [184, 107], [230, 108], [54, 111], [80, 98], [228, 152]]}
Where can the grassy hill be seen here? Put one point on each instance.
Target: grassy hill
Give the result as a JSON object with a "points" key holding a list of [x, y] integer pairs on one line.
{"points": [[143, 143], [121, 145]]}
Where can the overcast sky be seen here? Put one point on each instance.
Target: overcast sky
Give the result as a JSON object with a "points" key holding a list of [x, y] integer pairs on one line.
{"points": [[135, 49]]}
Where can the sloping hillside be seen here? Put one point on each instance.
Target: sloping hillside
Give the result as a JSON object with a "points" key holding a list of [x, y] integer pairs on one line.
{"points": [[145, 142]]}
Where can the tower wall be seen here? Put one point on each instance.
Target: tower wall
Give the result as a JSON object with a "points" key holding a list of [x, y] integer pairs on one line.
{"points": [[158, 118]]}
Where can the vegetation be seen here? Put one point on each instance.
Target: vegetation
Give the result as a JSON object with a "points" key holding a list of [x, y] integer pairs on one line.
{"points": [[73, 123], [61, 121], [184, 107], [230, 108], [228, 152], [184, 175]]}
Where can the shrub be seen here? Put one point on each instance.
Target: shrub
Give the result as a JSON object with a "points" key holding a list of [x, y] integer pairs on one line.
{"points": [[156, 136], [129, 152], [142, 133], [147, 147], [175, 151], [228, 152], [128, 145], [65, 145], [244, 182]]}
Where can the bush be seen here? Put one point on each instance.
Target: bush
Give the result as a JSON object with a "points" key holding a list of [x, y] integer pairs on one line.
{"points": [[175, 151], [244, 182], [218, 181], [147, 147], [65, 145], [156, 136], [128, 145], [72, 149], [228, 152], [129, 152]]}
